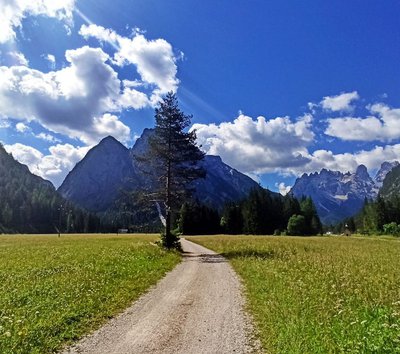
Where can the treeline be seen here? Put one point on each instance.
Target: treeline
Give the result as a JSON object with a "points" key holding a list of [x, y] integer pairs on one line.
{"points": [[381, 216], [261, 213], [29, 204]]}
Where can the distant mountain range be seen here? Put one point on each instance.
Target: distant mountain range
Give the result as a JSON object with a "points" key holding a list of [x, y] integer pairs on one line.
{"points": [[110, 168], [30, 204], [339, 195]]}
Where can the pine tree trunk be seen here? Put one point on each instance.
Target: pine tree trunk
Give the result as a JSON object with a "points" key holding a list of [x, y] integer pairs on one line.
{"points": [[168, 236]]}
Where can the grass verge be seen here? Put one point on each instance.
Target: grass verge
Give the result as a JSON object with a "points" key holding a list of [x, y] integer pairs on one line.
{"points": [[319, 294], [53, 290]]}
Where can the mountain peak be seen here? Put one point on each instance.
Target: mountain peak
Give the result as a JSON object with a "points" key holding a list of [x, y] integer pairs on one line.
{"points": [[109, 140], [106, 164], [362, 172]]}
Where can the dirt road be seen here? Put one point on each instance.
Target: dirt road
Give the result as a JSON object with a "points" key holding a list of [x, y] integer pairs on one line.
{"points": [[196, 308]]}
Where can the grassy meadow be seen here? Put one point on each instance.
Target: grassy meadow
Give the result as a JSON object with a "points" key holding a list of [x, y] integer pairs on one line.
{"points": [[319, 294], [53, 290]]}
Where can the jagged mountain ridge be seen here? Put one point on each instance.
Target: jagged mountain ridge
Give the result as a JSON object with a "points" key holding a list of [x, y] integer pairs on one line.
{"points": [[386, 167], [110, 167], [391, 184], [339, 195]]}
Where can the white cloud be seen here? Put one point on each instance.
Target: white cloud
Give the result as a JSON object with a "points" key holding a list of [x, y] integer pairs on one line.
{"points": [[73, 101], [12, 13], [25, 154], [17, 58], [382, 125], [47, 137], [22, 128], [154, 59], [105, 125], [53, 166], [282, 146], [372, 159], [340, 102], [258, 146], [283, 189], [51, 60], [4, 122]]}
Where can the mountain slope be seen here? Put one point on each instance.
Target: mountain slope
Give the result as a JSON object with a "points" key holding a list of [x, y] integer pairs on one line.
{"points": [[95, 181], [29, 203], [391, 184], [107, 169], [222, 183]]}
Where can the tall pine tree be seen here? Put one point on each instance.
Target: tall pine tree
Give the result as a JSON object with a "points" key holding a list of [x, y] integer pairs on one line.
{"points": [[174, 159]]}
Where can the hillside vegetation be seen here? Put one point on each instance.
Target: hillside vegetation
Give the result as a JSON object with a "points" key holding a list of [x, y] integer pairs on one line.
{"points": [[53, 290], [30, 204], [319, 295]]}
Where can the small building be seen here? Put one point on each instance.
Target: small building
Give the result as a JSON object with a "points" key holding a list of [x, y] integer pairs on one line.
{"points": [[347, 230]]}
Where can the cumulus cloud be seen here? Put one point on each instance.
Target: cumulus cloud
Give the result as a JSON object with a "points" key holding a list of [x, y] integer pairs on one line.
{"points": [[340, 102], [105, 125], [47, 137], [17, 58], [260, 145], [51, 59], [72, 101], [12, 13], [154, 59], [282, 188], [21, 127], [280, 145], [53, 166], [382, 125], [344, 162]]}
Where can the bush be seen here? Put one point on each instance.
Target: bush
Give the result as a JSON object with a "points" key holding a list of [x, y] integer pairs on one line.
{"points": [[296, 225], [391, 229]]}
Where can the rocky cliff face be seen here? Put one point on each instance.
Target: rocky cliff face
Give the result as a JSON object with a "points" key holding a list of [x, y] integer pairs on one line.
{"points": [[96, 181], [339, 195], [391, 184], [222, 183], [386, 167]]}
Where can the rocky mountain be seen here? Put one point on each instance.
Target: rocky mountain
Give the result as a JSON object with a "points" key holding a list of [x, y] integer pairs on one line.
{"points": [[391, 184], [386, 167], [222, 183], [339, 195], [95, 181], [109, 168]]}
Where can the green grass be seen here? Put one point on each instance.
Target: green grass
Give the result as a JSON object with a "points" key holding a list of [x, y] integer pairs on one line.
{"points": [[319, 294], [53, 290]]}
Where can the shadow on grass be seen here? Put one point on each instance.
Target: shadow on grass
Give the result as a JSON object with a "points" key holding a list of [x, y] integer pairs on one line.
{"points": [[204, 258], [267, 254]]}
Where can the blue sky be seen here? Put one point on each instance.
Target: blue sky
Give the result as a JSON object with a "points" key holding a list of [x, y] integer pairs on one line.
{"points": [[277, 88]]}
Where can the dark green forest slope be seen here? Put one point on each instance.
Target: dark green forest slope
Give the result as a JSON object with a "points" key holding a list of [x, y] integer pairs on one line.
{"points": [[30, 204]]}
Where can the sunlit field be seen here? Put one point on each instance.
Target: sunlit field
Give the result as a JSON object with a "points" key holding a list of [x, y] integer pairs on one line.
{"points": [[53, 290], [319, 294]]}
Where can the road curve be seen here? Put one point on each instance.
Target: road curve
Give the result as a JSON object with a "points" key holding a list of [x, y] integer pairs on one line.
{"points": [[196, 308]]}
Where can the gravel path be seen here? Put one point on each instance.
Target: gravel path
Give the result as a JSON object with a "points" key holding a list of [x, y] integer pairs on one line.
{"points": [[196, 308]]}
